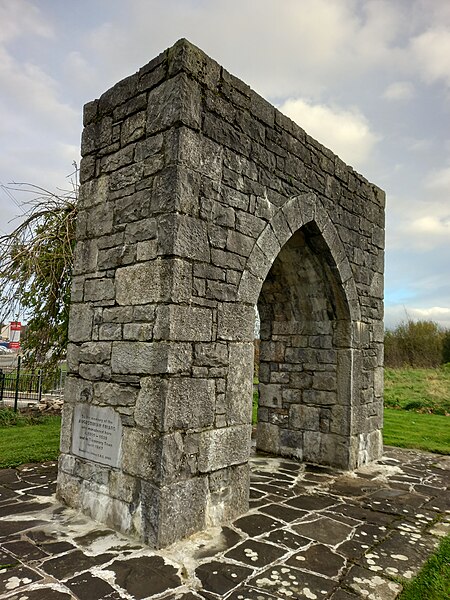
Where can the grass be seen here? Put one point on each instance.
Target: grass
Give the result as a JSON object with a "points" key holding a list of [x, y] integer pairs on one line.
{"points": [[419, 390], [25, 439], [433, 580], [417, 409], [255, 407], [416, 430]]}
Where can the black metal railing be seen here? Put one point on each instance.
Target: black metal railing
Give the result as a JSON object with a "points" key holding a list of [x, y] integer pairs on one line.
{"points": [[20, 385]]}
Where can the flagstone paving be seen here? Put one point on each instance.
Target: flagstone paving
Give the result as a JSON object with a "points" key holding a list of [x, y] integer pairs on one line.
{"points": [[311, 532]]}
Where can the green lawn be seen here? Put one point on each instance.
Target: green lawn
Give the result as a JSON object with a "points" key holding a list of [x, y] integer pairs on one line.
{"points": [[27, 442], [416, 430], [420, 390]]}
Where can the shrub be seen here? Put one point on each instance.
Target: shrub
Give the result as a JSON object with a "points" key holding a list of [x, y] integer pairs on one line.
{"points": [[415, 344]]}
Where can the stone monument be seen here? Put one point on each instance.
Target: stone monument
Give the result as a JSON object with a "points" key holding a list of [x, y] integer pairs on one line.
{"points": [[198, 201]]}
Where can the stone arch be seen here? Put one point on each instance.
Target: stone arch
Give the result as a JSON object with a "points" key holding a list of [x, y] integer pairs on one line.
{"points": [[297, 212], [178, 237], [301, 280]]}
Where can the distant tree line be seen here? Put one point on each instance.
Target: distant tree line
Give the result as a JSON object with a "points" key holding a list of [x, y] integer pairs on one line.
{"points": [[417, 344]]}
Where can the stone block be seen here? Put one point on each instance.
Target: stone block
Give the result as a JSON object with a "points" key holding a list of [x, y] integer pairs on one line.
{"points": [[142, 332], [139, 231], [303, 417], [150, 358], [72, 358], [100, 220], [77, 390], [270, 395], [378, 381], [258, 263], [319, 397], [146, 250], [178, 459], [341, 420], [291, 443], [311, 446], [183, 323], [94, 192], [154, 281], [96, 135], [184, 236], [123, 487], [66, 428], [133, 128], [85, 257], [80, 322], [199, 153], [335, 450], [325, 381], [228, 495], [211, 354], [268, 437], [249, 288], [301, 381], [176, 189], [95, 352], [239, 388], [174, 101], [221, 448], [111, 258], [149, 148], [239, 243], [173, 512], [94, 371], [187, 58], [236, 322], [114, 394], [139, 453], [177, 403]]}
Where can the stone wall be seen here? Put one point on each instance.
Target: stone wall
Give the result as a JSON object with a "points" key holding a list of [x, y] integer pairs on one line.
{"points": [[199, 200]]}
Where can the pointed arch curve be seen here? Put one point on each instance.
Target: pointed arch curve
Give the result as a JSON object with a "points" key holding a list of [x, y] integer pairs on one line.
{"points": [[297, 212], [300, 278]]}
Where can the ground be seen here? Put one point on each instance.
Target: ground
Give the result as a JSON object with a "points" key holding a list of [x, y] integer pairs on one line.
{"points": [[311, 532]]}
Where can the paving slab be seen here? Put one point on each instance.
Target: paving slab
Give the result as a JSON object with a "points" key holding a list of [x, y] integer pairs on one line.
{"points": [[311, 532]]}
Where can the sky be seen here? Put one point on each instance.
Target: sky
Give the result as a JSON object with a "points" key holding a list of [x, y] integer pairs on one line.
{"points": [[370, 79]]}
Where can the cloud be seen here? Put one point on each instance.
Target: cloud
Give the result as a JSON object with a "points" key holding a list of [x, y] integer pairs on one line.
{"points": [[399, 90], [419, 218], [431, 50], [27, 88], [438, 183], [345, 131], [419, 145], [429, 232], [397, 313], [305, 45], [22, 18]]}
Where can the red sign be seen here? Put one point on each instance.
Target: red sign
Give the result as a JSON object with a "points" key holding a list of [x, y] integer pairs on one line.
{"points": [[14, 335]]}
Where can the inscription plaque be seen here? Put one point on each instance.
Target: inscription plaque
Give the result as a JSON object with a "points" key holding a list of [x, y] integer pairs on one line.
{"points": [[97, 434]]}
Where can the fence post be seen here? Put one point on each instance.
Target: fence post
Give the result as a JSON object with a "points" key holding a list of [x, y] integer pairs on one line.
{"points": [[39, 385], [2, 384], [16, 394]]}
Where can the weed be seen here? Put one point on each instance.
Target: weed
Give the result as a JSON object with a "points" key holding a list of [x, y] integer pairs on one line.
{"points": [[433, 580]]}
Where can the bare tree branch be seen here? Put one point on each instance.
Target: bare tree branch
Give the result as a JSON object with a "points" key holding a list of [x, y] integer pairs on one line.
{"points": [[36, 261]]}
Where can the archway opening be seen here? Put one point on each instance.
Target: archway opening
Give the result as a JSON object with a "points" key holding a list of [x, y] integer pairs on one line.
{"points": [[305, 339]]}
